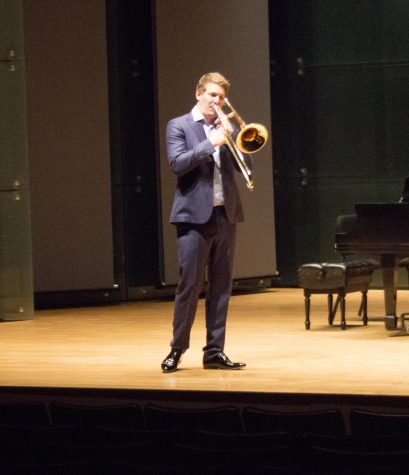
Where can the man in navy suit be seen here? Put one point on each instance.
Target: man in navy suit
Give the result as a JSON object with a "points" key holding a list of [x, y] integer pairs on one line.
{"points": [[205, 211]]}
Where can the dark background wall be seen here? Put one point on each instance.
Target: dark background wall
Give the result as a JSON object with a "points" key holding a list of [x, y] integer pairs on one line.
{"points": [[340, 117], [133, 135]]}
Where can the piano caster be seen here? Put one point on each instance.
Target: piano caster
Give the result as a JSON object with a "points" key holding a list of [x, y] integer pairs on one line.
{"points": [[405, 325], [404, 322], [395, 323]]}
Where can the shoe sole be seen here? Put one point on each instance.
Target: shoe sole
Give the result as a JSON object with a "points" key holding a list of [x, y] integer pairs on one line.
{"points": [[222, 367]]}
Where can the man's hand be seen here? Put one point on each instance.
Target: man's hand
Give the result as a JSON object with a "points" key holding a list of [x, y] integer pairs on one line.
{"points": [[225, 124], [218, 136]]}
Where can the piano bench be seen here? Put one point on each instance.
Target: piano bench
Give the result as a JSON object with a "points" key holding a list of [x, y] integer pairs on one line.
{"points": [[336, 278]]}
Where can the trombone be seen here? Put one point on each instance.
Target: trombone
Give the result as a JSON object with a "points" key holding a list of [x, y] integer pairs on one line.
{"points": [[250, 139]]}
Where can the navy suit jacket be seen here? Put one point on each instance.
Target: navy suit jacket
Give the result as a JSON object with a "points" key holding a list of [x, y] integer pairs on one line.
{"points": [[190, 158]]}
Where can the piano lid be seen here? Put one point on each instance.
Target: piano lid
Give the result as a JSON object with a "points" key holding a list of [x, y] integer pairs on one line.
{"points": [[376, 228], [379, 228], [382, 211]]}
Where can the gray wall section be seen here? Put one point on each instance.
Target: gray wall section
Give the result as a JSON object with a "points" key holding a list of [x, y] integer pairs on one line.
{"points": [[67, 107], [230, 37]]}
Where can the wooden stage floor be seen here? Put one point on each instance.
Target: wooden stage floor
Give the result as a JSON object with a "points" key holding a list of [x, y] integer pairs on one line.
{"points": [[122, 346]]}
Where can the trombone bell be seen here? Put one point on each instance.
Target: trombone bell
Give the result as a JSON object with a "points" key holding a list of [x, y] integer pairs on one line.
{"points": [[251, 138]]}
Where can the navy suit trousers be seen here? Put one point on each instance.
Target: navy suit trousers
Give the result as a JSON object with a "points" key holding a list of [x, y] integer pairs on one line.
{"points": [[210, 245]]}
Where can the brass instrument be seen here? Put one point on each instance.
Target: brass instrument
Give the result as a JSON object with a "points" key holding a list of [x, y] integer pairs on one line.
{"points": [[251, 138]]}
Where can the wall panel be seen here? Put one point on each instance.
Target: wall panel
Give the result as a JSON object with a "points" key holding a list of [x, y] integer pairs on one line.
{"points": [[67, 102], [230, 37], [16, 280]]}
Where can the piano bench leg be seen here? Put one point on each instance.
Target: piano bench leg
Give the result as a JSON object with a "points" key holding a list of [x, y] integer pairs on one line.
{"points": [[364, 306], [342, 306], [333, 311], [330, 300], [307, 303]]}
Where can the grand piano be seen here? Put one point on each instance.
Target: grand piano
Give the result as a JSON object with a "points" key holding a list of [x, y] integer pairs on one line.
{"points": [[379, 231]]}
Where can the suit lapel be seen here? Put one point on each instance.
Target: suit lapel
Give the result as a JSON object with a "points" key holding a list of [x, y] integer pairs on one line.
{"points": [[197, 128], [199, 131]]}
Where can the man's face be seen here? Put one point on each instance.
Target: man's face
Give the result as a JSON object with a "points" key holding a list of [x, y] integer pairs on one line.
{"points": [[212, 94]]}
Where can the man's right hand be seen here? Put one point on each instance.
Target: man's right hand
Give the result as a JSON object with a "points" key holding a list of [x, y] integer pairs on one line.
{"points": [[218, 137]]}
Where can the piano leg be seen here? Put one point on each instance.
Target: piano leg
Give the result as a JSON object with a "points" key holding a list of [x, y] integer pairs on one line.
{"points": [[390, 284]]}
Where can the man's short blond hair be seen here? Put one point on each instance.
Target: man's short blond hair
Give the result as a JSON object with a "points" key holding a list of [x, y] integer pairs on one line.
{"points": [[215, 78]]}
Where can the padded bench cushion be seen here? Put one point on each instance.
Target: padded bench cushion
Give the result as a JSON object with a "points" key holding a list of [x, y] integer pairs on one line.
{"points": [[328, 276]]}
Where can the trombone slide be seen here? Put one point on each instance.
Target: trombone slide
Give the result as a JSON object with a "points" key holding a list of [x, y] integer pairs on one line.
{"points": [[234, 150]]}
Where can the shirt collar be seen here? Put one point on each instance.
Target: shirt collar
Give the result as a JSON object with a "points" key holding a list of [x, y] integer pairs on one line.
{"points": [[197, 114]]}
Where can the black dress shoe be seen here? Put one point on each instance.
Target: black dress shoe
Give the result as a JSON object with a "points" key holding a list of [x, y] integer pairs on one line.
{"points": [[220, 361], [171, 362]]}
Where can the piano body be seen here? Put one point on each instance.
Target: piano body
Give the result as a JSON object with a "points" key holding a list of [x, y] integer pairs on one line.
{"points": [[379, 231]]}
